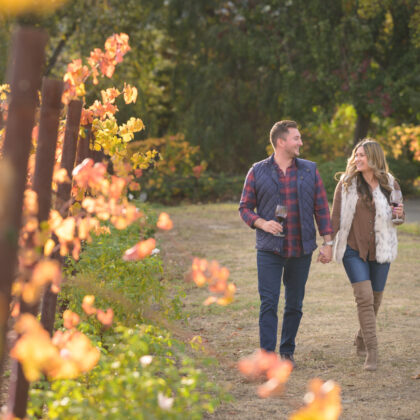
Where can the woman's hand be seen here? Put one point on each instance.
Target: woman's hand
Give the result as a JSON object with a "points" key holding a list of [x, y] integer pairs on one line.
{"points": [[398, 211]]}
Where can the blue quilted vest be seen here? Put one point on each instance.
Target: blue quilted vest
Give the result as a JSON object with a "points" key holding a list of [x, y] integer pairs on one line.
{"points": [[267, 187]]}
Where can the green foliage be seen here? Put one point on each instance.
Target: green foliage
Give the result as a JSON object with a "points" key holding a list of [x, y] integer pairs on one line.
{"points": [[126, 385], [206, 188], [406, 173], [180, 175], [130, 288], [324, 139], [224, 72], [177, 156], [123, 385], [327, 170]]}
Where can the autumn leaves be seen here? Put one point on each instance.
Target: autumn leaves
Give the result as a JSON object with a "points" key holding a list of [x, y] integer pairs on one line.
{"points": [[322, 401]]}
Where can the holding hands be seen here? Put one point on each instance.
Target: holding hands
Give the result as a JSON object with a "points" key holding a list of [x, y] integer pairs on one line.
{"points": [[325, 253]]}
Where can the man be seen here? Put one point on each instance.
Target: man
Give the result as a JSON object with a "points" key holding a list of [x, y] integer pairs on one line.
{"points": [[285, 179]]}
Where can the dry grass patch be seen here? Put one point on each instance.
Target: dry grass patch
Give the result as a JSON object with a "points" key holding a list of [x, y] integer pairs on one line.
{"points": [[324, 342]]}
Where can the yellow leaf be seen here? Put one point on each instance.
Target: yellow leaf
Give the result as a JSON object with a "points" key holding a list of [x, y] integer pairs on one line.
{"points": [[130, 93]]}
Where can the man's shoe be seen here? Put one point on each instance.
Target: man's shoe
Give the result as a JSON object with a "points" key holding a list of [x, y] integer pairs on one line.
{"points": [[289, 357]]}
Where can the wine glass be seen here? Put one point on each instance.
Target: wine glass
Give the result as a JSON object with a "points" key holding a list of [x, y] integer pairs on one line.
{"points": [[396, 198], [280, 214]]}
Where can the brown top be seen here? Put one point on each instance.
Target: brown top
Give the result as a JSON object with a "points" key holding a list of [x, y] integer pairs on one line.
{"points": [[362, 234]]}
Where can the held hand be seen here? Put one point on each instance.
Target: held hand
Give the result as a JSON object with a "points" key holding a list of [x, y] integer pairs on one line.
{"points": [[325, 254], [273, 227]]}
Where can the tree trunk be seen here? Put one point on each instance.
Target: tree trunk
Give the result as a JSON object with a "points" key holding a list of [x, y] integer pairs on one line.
{"points": [[362, 127]]}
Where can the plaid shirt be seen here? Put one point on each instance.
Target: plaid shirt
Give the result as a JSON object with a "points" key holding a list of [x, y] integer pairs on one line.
{"points": [[292, 243]]}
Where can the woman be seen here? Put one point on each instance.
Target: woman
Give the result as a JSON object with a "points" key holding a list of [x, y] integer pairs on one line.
{"points": [[365, 237]]}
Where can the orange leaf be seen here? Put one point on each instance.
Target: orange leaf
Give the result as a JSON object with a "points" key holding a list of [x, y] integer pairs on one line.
{"points": [[210, 300], [87, 304], [30, 201], [46, 271], [31, 224], [60, 176], [117, 187], [270, 388], [16, 310], [197, 170], [71, 319], [82, 352], [33, 349], [164, 222], [66, 230], [105, 318], [322, 402], [140, 251], [109, 95], [199, 278], [49, 247], [262, 363]]}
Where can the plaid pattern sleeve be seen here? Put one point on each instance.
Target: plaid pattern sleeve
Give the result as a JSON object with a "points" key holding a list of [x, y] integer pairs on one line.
{"points": [[322, 210], [248, 200]]}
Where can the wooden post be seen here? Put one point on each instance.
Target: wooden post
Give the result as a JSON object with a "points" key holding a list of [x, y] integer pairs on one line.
{"points": [[71, 135], [83, 146], [25, 70], [44, 166], [49, 300]]}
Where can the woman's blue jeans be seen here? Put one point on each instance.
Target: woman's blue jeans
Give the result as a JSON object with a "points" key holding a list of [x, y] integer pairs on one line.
{"points": [[271, 268], [358, 270]]}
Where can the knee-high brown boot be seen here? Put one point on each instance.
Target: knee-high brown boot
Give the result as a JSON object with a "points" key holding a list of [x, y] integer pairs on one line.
{"points": [[363, 294], [358, 339]]}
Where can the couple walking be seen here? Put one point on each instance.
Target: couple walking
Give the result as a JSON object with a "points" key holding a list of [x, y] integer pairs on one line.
{"points": [[361, 233]]}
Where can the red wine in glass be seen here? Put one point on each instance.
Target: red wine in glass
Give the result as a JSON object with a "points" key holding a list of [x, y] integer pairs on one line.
{"points": [[396, 199], [281, 215]]}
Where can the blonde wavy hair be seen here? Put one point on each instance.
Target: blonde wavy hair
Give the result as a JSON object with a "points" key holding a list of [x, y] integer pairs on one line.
{"points": [[376, 161]]}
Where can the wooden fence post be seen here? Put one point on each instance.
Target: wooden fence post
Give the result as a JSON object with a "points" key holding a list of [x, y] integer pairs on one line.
{"points": [[49, 300], [25, 70], [44, 166], [83, 150]]}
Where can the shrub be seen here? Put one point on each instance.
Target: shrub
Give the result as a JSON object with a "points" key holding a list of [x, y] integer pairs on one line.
{"points": [[129, 288], [124, 384], [180, 174], [206, 188], [127, 385]]}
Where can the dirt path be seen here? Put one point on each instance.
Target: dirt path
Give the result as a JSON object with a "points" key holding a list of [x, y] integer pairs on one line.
{"points": [[324, 342]]}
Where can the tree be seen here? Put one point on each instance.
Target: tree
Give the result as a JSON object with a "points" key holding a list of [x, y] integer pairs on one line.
{"points": [[374, 60]]}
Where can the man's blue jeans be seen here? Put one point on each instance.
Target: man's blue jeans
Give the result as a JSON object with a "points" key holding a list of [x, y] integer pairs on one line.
{"points": [[271, 268]]}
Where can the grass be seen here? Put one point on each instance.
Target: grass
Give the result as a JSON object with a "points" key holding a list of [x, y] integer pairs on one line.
{"points": [[324, 343], [410, 228]]}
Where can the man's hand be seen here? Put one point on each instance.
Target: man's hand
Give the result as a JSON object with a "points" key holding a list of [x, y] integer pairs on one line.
{"points": [[325, 254], [269, 226]]}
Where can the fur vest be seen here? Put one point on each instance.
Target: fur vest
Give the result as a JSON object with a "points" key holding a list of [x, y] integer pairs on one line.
{"points": [[385, 231]]}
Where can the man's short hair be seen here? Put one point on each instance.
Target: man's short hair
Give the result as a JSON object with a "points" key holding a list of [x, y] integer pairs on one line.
{"points": [[279, 130]]}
